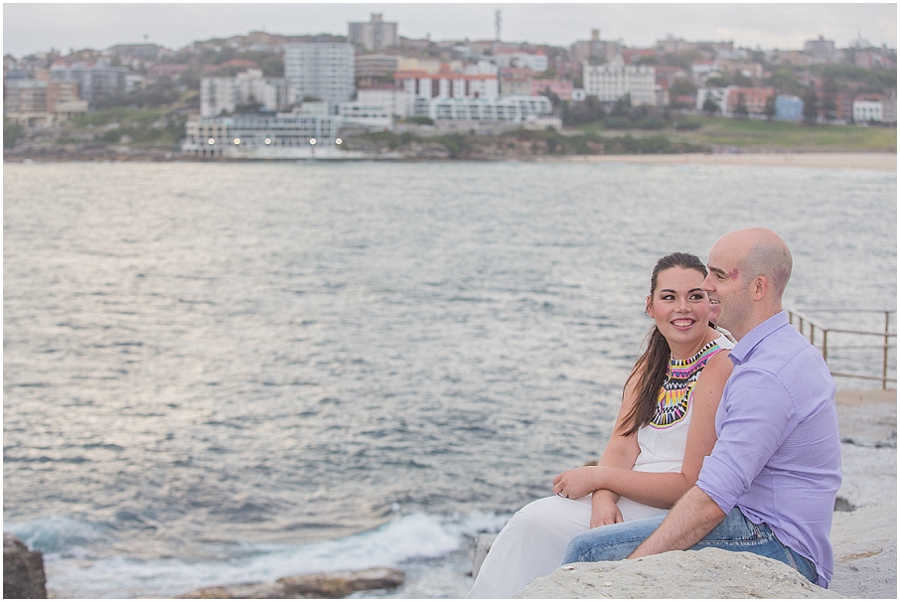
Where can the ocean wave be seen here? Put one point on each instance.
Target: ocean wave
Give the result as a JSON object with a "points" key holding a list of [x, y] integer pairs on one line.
{"points": [[56, 534], [405, 539]]}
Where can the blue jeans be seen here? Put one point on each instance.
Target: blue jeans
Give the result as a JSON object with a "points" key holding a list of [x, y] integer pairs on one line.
{"points": [[735, 533]]}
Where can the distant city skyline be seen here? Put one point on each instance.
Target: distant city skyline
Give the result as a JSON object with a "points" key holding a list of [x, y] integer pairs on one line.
{"points": [[38, 27]]}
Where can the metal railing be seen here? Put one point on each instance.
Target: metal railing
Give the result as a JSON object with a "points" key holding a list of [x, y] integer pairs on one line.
{"points": [[823, 338]]}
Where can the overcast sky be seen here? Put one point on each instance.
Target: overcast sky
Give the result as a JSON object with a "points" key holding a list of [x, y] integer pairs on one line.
{"points": [[32, 27]]}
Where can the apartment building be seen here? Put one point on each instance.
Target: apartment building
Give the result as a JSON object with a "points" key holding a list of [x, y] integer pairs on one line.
{"points": [[674, 45], [509, 109], [447, 84], [788, 108], [226, 94], [612, 81], [391, 98], [718, 96], [40, 102], [821, 50], [95, 80], [374, 36], [515, 82], [321, 70], [372, 68], [584, 50], [868, 110], [754, 99], [372, 116], [522, 60], [561, 87]]}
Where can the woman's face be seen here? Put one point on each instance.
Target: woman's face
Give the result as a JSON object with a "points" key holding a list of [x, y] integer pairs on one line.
{"points": [[679, 306]]}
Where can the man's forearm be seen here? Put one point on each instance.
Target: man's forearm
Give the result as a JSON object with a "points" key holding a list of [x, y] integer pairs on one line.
{"points": [[695, 515]]}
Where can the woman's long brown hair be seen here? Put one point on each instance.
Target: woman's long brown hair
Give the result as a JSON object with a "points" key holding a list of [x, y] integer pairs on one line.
{"points": [[650, 369]]}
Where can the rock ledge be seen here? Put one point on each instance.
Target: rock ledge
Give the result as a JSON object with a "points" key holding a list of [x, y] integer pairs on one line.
{"points": [[707, 573], [318, 585]]}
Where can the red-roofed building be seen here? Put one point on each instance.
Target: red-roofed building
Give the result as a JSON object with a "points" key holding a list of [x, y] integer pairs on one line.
{"points": [[561, 87], [754, 99], [630, 56], [158, 71], [447, 84]]}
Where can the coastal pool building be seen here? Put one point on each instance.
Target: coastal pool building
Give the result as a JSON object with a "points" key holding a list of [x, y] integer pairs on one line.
{"points": [[263, 136]]}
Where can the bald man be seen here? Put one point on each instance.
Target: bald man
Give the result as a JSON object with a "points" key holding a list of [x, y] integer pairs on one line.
{"points": [[770, 482]]}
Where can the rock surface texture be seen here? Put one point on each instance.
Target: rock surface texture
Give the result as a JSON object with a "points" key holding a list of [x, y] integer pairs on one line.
{"points": [[318, 585], [23, 570], [707, 573], [863, 535]]}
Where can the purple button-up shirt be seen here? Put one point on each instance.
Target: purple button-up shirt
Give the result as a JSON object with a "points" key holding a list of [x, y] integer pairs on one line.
{"points": [[778, 454]]}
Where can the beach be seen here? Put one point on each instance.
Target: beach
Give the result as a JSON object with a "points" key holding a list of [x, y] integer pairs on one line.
{"points": [[841, 160]]}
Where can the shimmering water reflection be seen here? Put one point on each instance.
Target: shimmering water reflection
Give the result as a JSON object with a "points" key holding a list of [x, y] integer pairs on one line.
{"points": [[200, 357]]}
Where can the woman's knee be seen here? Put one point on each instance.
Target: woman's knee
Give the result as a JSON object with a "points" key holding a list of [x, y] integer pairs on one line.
{"points": [[554, 516]]}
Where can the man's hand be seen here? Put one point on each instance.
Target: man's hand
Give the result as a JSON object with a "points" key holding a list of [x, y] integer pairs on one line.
{"points": [[695, 515]]}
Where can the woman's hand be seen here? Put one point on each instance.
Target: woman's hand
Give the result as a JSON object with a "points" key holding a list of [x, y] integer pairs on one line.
{"points": [[578, 482], [604, 510]]}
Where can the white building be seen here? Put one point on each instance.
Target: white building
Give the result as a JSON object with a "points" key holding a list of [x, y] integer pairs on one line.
{"points": [[717, 95], [447, 84], [822, 50], [374, 36], [522, 60], [273, 136], [218, 94], [510, 109], [369, 115], [868, 110], [611, 81], [391, 98], [324, 71], [134, 81]]}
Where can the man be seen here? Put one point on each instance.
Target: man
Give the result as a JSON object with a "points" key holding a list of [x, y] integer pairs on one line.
{"points": [[769, 484]]}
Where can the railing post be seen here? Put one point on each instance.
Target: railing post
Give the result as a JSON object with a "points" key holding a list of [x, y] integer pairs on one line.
{"points": [[884, 365], [825, 344]]}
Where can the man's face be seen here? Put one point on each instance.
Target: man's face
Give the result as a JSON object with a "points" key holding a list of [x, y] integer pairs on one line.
{"points": [[728, 291]]}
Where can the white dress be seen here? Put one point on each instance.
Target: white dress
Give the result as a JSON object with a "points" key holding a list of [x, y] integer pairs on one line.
{"points": [[533, 542]]}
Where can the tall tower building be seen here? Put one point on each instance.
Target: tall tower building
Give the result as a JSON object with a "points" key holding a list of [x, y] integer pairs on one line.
{"points": [[321, 70], [374, 36]]}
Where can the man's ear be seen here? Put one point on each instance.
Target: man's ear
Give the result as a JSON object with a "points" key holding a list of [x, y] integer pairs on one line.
{"points": [[760, 287]]}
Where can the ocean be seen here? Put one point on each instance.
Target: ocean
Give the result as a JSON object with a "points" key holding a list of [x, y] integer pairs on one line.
{"points": [[221, 373]]}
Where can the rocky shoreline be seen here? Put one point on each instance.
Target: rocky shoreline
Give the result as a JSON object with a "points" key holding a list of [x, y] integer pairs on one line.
{"points": [[520, 152]]}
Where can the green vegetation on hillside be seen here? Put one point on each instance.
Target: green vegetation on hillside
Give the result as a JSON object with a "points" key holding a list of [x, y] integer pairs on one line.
{"points": [[754, 134], [142, 127], [523, 143]]}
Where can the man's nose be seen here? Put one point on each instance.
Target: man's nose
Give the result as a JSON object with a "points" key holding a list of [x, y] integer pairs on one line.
{"points": [[708, 283]]}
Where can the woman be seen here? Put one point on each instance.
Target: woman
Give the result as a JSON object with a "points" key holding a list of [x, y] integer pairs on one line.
{"points": [[664, 429]]}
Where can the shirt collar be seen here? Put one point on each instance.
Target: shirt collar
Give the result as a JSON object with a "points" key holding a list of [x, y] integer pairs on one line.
{"points": [[755, 336]]}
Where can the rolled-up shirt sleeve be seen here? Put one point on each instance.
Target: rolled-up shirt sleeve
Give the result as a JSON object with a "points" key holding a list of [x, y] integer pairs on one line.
{"points": [[754, 418]]}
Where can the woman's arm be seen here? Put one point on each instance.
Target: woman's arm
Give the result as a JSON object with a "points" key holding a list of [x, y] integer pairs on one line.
{"points": [[661, 490], [620, 452]]}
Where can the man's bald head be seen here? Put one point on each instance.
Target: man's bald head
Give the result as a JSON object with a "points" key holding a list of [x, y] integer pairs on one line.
{"points": [[763, 253]]}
